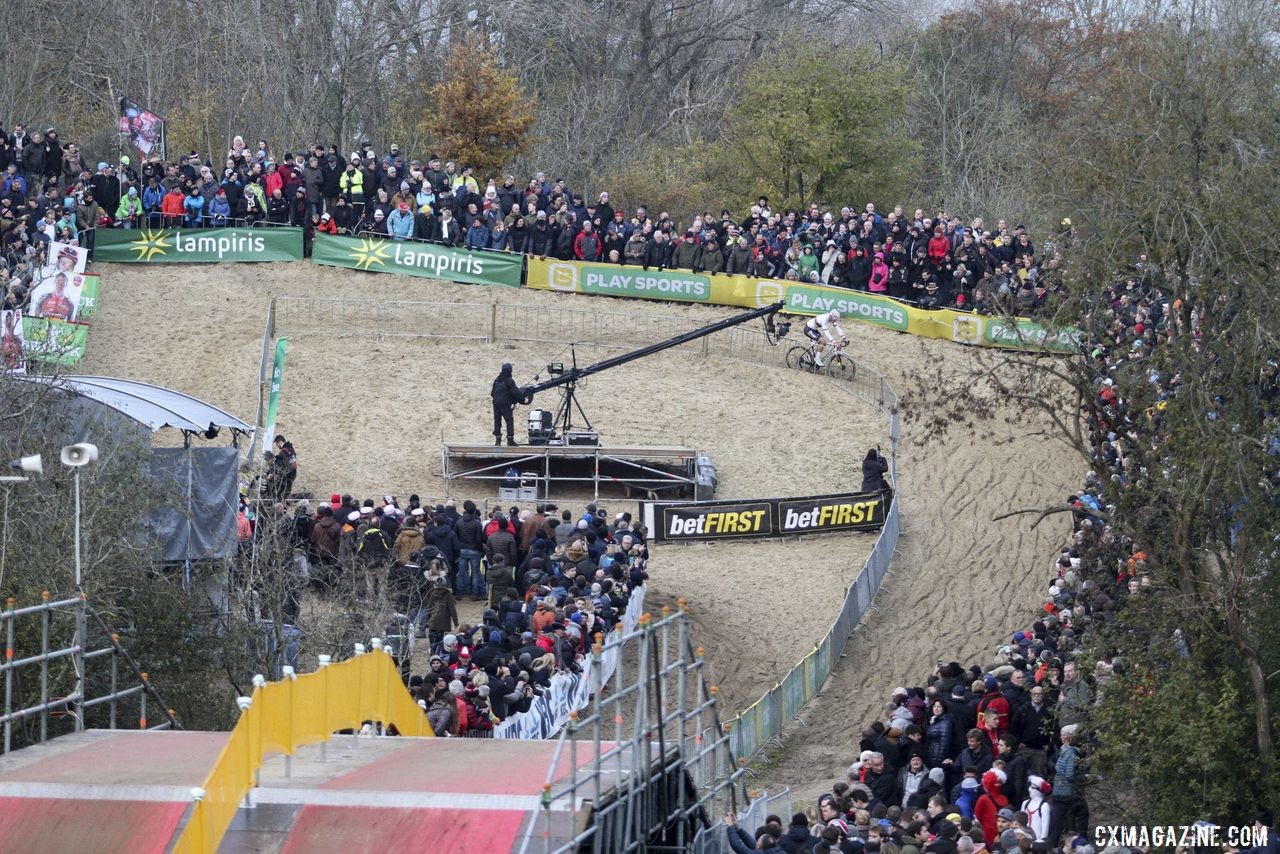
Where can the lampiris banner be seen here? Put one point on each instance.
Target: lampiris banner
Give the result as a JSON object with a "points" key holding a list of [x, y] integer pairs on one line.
{"points": [[197, 245], [410, 258], [766, 517]]}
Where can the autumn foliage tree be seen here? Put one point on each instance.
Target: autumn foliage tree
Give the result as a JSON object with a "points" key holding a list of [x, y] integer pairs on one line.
{"points": [[479, 115], [810, 123]]}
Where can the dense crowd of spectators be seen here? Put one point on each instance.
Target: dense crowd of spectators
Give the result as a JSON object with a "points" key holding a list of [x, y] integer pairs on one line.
{"points": [[933, 260], [551, 581], [995, 756]]}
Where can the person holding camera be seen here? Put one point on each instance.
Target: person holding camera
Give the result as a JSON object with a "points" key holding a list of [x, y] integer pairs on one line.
{"points": [[874, 468], [505, 394]]}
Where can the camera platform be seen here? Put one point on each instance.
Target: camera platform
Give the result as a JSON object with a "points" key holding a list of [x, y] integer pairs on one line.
{"points": [[648, 471]]}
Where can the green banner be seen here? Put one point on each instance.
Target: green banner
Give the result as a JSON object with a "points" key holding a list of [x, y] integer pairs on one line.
{"points": [[616, 281], [89, 296], [197, 245], [273, 400], [1022, 334], [383, 255], [48, 340], [815, 299]]}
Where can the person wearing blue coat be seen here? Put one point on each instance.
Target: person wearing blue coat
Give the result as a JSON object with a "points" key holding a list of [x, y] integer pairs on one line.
{"points": [[400, 223], [218, 210], [477, 235], [193, 206]]}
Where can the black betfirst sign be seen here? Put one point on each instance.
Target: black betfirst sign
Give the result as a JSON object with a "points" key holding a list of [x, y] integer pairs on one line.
{"points": [[769, 517]]}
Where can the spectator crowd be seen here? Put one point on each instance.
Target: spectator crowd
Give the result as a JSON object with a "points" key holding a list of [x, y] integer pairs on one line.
{"points": [[994, 756], [551, 580], [49, 190], [988, 756]]}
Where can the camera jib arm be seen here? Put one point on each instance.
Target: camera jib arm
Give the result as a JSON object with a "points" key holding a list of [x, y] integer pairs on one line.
{"points": [[569, 378]]}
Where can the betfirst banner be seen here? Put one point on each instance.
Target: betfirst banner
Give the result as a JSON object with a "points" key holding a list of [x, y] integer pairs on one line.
{"points": [[801, 298], [767, 517], [197, 245], [409, 258]]}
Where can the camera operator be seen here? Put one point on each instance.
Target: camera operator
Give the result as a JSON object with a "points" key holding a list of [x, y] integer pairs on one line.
{"points": [[874, 468], [505, 396]]}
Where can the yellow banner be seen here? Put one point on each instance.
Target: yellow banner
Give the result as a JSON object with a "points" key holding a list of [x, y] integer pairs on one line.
{"points": [[801, 298]]}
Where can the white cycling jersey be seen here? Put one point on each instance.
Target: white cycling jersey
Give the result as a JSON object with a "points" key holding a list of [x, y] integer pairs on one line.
{"points": [[823, 324]]}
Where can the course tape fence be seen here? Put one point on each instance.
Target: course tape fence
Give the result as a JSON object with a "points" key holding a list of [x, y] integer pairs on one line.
{"points": [[495, 323], [571, 692], [373, 253], [765, 719]]}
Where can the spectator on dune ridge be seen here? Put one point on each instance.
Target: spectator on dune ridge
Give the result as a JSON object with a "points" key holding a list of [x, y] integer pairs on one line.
{"points": [[1006, 738], [934, 260]]}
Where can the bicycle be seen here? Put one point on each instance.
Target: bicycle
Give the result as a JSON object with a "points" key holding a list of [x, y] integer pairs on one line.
{"points": [[838, 365]]}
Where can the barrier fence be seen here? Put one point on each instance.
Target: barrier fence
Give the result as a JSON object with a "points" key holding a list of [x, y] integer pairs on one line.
{"points": [[283, 716], [765, 719], [195, 244]]}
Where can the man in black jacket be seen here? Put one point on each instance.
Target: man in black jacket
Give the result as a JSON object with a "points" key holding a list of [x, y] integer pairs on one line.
{"points": [[505, 394], [470, 531]]}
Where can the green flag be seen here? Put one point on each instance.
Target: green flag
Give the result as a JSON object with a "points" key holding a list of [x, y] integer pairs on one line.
{"points": [[47, 340], [273, 400]]}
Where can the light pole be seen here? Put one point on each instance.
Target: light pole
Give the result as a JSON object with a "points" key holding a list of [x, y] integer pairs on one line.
{"points": [[76, 457], [31, 465]]}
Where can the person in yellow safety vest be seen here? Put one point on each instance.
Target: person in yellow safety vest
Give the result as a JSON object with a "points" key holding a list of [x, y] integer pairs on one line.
{"points": [[466, 179], [351, 185]]}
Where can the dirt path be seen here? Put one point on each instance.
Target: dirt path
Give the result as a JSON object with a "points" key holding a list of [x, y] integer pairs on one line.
{"points": [[367, 418], [960, 581]]}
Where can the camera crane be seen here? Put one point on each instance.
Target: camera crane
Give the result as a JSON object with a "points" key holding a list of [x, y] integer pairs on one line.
{"points": [[543, 427]]}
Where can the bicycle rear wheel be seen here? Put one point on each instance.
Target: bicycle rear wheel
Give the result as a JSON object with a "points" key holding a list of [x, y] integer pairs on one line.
{"points": [[800, 358], [841, 367]]}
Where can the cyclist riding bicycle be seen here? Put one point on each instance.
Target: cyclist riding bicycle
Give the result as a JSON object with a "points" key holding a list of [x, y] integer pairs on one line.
{"points": [[819, 331]]}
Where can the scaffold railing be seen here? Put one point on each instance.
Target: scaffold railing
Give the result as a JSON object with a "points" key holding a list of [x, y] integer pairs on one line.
{"points": [[48, 688], [665, 769]]}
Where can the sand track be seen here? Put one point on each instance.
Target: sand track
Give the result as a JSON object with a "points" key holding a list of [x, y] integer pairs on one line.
{"points": [[367, 417]]}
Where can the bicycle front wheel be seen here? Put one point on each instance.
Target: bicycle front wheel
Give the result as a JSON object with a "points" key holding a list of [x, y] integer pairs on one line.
{"points": [[842, 367]]}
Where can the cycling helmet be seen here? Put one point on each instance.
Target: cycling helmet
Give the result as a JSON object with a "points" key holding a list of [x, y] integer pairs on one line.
{"points": [[833, 315]]}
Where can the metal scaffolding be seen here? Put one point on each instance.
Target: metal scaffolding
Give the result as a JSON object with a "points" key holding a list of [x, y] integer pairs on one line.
{"points": [[65, 696], [651, 471], [659, 768]]}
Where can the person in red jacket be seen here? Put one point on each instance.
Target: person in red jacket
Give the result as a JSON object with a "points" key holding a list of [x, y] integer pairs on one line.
{"points": [[326, 224], [465, 709], [989, 804], [997, 723], [586, 246], [172, 206], [939, 247]]}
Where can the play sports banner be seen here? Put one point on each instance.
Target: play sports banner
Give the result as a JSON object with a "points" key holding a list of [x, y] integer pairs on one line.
{"points": [[765, 517], [196, 245], [410, 258], [801, 298]]}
